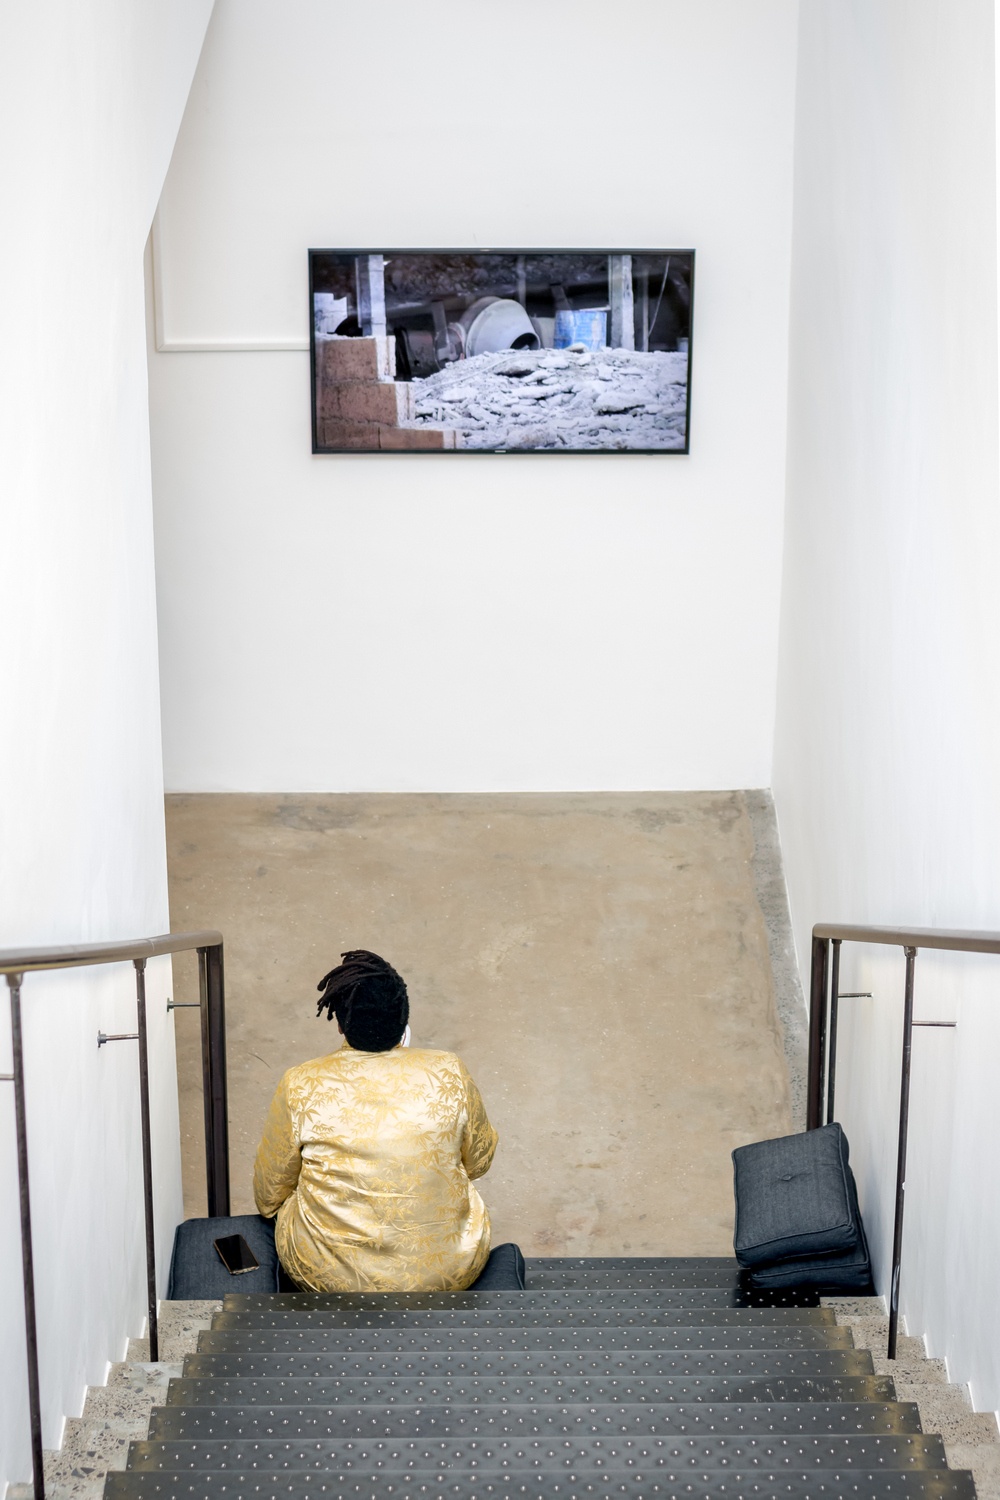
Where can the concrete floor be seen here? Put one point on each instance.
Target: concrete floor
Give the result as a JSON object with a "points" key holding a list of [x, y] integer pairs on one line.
{"points": [[599, 961]]}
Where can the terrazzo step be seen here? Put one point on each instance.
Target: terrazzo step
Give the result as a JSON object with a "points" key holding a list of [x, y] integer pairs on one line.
{"points": [[84, 1440], [473, 1390], [947, 1410], [687, 1484], [122, 1402], [172, 1423], [134, 1377], [396, 1340], [592, 1456], [658, 1363], [528, 1314]]}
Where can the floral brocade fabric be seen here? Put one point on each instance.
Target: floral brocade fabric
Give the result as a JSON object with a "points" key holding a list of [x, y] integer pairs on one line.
{"points": [[367, 1160]]}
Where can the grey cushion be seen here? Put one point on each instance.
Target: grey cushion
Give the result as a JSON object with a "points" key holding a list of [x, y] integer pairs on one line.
{"points": [[196, 1270], [849, 1272], [503, 1271], [795, 1198]]}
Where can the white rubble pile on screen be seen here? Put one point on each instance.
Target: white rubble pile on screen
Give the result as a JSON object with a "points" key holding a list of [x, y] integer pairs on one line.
{"points": [[559, 398]]}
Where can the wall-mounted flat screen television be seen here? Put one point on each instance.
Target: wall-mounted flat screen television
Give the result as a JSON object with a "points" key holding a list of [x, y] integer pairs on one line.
{"points": [[501, 351]]}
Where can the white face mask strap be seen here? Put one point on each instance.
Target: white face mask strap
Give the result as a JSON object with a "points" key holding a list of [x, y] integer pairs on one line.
{"points": [[404, 1040]]}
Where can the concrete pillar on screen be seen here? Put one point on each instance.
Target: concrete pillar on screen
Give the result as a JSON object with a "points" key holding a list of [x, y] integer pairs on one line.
{"points": [[622, 305], [371, 295]]}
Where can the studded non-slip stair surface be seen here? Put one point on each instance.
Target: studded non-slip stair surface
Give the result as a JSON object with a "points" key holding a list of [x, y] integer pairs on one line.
{"points": [[605, 1378]]}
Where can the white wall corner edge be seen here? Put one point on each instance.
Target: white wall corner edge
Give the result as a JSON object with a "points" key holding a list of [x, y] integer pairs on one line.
{"points": [[168, 343]]}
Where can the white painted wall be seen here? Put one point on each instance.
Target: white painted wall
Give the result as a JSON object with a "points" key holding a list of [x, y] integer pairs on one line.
{"points": [[90, 100], [470, 622], [888, 722]]}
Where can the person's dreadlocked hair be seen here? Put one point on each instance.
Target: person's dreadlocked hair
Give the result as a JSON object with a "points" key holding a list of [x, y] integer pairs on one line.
{"points": [[369, 1000]]}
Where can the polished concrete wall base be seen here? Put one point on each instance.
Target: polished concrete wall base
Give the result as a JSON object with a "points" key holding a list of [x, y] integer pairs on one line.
{"points": [[602, 962]]}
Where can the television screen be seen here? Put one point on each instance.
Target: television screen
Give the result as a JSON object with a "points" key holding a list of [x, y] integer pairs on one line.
{"points": [[513, 351]]}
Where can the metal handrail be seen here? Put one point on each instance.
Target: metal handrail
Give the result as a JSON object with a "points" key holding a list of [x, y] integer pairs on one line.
{"points": [[79, 955], [15, 963], [824, 998], [953, 939]]}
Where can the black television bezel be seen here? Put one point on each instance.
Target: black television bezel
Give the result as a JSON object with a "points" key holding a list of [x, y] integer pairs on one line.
{"points": [[323, 452]]}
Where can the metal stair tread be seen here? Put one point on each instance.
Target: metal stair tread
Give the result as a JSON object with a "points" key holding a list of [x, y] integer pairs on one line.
{"points": [[487, 1361], [548, 1340], [489, 1452], [677, 1419], [525, 1314], [690, 1484], [305, 1390], [567, 1263], [638, 1272], [568, 1296], [642, 1273], [629, 1379]]}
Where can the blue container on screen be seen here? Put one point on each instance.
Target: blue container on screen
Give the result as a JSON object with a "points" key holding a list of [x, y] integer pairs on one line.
{"points": [[582, 325]]}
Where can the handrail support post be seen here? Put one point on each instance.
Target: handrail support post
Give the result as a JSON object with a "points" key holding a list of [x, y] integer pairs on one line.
{"points": [[27, 1254], [214, 1078], [817, 1030], [831, 1067], [147, 1160], [904, 1121]]}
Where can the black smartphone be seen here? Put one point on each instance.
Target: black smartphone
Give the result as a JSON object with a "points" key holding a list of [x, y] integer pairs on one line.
{"points": [[235, 1254]]}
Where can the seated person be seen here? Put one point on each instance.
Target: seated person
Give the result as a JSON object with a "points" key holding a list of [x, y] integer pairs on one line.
{"points": [[368, 1155]]}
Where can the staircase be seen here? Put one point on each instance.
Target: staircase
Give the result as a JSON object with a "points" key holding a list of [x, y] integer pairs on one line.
{"points": [[606, 1378]]}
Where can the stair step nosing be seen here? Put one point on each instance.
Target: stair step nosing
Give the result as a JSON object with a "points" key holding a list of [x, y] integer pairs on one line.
{"points": [[666, 1297], [599, 1452], [712, 1278], [403, 1341], [630, 1262], [691, 1389], [759, 1417], [688, 1484], [527, 1316], [678, 1362]]}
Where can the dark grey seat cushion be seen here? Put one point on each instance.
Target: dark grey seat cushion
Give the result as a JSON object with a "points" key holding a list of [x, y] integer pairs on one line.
{"points": [[197, 1272], [795, 1198], [848, 1272], [503, 1271]]}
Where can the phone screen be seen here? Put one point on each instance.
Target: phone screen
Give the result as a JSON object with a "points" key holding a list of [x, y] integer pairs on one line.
{"points": [[236, 1254]]}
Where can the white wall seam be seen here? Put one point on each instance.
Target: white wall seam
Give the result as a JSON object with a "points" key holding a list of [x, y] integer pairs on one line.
{"points": [[888, 719]]}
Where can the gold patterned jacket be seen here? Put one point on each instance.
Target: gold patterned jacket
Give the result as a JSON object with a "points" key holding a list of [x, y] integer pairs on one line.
{"points": [[366, 1159]]}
